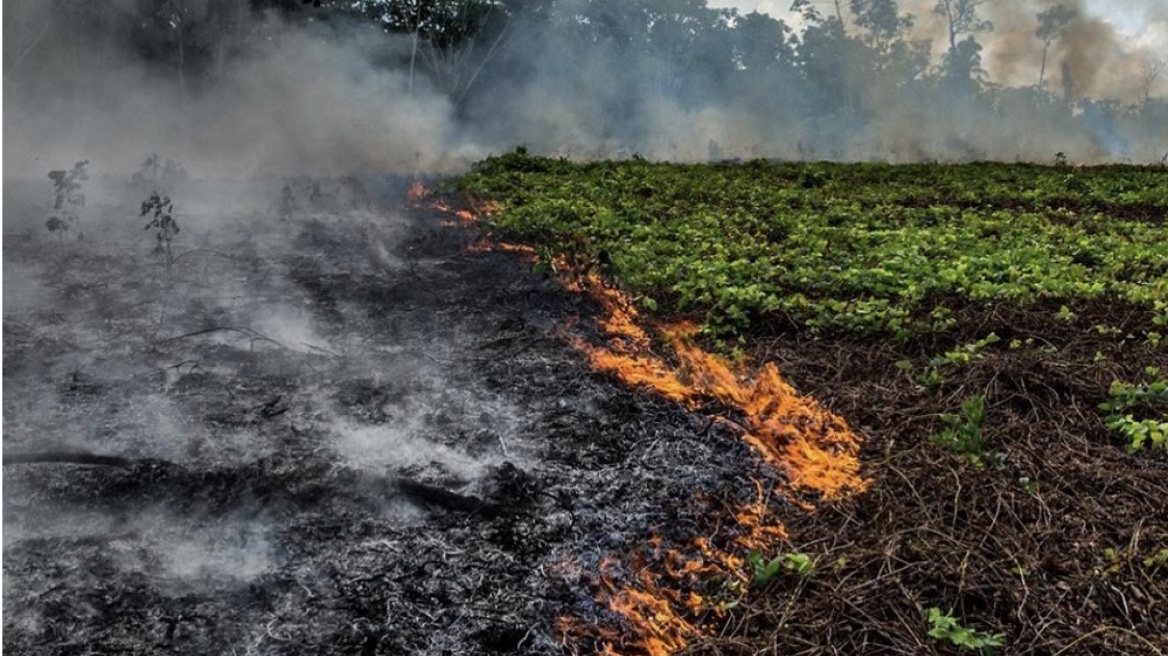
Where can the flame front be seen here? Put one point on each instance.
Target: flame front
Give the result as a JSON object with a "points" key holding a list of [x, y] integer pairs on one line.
{"points": [[815, 449], [660, 592]]}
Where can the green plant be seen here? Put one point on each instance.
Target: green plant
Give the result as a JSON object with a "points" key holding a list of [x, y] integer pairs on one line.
{"points": [[857, 248], [764, 571], [931, 378], [964, 434], [966, 353], [1149, 400], [67, 199], [161, 213], [943, 626], [1160, 559]]}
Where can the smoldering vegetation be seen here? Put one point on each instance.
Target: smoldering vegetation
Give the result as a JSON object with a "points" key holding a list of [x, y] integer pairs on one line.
{"points": [[319, 425], [239, 87]]}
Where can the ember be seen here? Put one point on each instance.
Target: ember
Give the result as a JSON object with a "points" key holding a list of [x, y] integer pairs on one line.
{"points": [[657, 591]]}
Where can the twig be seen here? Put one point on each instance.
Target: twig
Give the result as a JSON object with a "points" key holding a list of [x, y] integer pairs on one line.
{"points": [[254, 335], [1105, 629], [66, 457]]}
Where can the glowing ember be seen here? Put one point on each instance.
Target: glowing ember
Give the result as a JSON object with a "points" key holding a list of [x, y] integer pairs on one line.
{"points": [[484, 244], [658, 591], [416, 193]]}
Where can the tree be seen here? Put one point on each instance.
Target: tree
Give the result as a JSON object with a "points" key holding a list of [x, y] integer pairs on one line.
{"points": [[689, 41], [761, 43], [880, 21], [1149, 71], [961, 18], [1052, 23], [811, 14], [455, 39], [961, 66]]}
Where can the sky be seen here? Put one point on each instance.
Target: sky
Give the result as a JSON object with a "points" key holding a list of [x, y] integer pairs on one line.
{"points": [[1144, 22], [1132, 17], [1134, 31]]}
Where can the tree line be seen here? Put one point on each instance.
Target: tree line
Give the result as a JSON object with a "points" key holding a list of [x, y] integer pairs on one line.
{"points": [[850, 60]]}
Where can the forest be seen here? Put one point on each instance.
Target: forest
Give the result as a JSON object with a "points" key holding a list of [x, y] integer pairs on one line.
{"points": [[668, 79]]}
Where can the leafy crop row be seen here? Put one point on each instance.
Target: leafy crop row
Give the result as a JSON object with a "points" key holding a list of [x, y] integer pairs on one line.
{"points": [[858, 247]]}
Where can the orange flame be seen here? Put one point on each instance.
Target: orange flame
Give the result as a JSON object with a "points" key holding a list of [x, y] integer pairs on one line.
{"points": [[416, 193], [815, 448], [658, 591]]}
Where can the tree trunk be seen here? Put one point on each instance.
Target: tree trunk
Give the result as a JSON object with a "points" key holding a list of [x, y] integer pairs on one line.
{"points": [[1042, 70], [413, 59]]}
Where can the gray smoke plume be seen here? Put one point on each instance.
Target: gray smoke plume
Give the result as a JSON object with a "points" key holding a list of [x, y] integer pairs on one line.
{"points": [[582, 78]]}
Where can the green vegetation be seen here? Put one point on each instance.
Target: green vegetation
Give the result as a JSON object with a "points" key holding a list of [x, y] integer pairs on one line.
{"points": [[943, 626], [68, 199], [969, 318], [764, 571], [964, 434], [857, 248], [1150, 400], [161, 213]]}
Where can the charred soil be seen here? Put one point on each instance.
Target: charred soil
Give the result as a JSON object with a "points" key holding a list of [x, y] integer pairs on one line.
{"points": [[332, 432]]}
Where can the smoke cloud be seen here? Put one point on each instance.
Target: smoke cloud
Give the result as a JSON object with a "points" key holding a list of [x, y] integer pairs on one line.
{"points": [[324, 94]]}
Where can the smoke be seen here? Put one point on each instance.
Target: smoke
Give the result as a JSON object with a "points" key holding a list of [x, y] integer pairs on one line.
{"points": [[1102, 61], [338, 96], [293, 102]]}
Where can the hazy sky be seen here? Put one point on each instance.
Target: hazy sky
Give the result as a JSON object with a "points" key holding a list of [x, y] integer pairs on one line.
{"points": [[1139, 33], [1136, 18], [1129, 14]]}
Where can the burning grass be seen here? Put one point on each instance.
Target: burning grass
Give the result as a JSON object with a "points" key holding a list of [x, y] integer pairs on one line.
{"points": [[663, 593]]}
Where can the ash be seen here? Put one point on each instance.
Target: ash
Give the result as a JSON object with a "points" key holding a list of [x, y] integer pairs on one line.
{"points": [[323, 430]]}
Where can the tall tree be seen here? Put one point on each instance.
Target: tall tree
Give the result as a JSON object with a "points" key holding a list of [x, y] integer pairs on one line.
{"points": [[454, 39], [1052, 23], [961, 19], [810, 13], [961, 66], [761, 43], [880, 21], [1149, 71]]}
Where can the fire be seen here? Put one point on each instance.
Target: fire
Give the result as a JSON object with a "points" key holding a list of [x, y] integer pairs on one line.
{"points": [[416, 193], [813, 447], [663, 593], [484, 244]]}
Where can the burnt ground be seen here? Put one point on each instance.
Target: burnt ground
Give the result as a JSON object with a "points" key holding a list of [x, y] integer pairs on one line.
{"points": [[326, 428]]}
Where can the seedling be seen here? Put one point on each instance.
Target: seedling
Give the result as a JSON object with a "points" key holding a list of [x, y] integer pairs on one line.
{"points": [[966, 353], [764, 571], [161, 213], [67, 199], [943, 626], [1160, 559], [1145, 399], [964, 433]]}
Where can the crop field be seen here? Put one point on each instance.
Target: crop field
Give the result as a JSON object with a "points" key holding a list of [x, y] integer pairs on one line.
{"points": [[996, 333]]}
